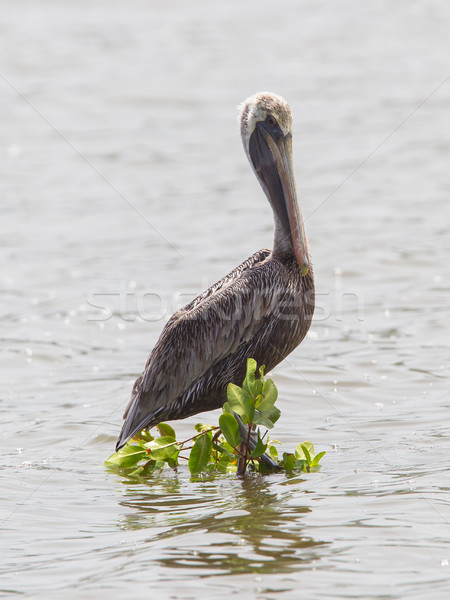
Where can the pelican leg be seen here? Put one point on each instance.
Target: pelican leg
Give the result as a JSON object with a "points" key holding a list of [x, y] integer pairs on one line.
{"points": [[253, 440]]}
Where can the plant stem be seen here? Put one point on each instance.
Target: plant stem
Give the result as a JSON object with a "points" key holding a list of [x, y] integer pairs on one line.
{"points": [[242, 462], [194, 437], [243, 450]]}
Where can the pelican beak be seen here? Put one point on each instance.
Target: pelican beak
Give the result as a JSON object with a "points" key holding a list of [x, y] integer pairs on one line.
{"points": [[271, 154]]}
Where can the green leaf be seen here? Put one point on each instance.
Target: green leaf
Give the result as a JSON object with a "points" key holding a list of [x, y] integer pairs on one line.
{"points": [[306, 453], [144, 435], [288, 461], [260, 419], [273, 451], [302, 464], [166, 430], [201, 427], [268, 397], [260, 448], [250, 384], [226, 458], [136, 472], [274, 414], [127, 456], [163, 448], [249, 381], [173, 461], [304, 450], [147, 468], [230, 429], [230, 449], [317, 458], [200, 454], [240, 402], [226, 408], [222, 451], [268, 418]]}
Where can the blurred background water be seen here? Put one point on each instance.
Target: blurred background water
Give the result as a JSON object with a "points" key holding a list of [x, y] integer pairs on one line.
{"points": [[124, 192]]}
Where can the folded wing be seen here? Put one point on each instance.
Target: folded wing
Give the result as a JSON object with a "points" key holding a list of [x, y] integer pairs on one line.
{"points": [[210, 328]]}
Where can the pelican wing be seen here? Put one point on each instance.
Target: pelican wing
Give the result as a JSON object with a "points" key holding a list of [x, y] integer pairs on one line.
{"points": [[251, 262], [212, 327]]}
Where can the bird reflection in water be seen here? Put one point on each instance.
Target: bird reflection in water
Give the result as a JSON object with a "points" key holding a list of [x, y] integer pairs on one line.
{"points": [[221, 525]]}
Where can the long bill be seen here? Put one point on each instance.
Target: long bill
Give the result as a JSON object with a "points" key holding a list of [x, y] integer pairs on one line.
{"points": [[275, 169]]}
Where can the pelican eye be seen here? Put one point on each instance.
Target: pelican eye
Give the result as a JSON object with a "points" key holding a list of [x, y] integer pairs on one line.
{"points": [[272, 128]]}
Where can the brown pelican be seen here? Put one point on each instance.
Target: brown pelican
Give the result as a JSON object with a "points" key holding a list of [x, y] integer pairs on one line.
{"points": [[262, 309]]}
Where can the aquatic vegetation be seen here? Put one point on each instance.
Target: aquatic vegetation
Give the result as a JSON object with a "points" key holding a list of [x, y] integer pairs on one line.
{"points": [[235, 445]]}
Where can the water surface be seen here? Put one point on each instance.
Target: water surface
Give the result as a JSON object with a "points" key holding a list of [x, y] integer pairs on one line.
{"points": [[124, 192]]}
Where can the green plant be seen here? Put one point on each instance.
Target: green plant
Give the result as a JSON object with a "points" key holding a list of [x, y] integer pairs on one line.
{"points": [[234, 446]]}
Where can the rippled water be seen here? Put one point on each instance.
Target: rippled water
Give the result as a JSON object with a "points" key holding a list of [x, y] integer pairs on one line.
{"points": [[124, 192]]}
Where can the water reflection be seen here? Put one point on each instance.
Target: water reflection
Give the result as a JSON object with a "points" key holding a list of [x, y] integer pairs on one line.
{"points": [[222, 525]]}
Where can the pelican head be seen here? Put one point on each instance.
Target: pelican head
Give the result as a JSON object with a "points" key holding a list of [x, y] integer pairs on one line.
{"points": [[266, 130]]}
